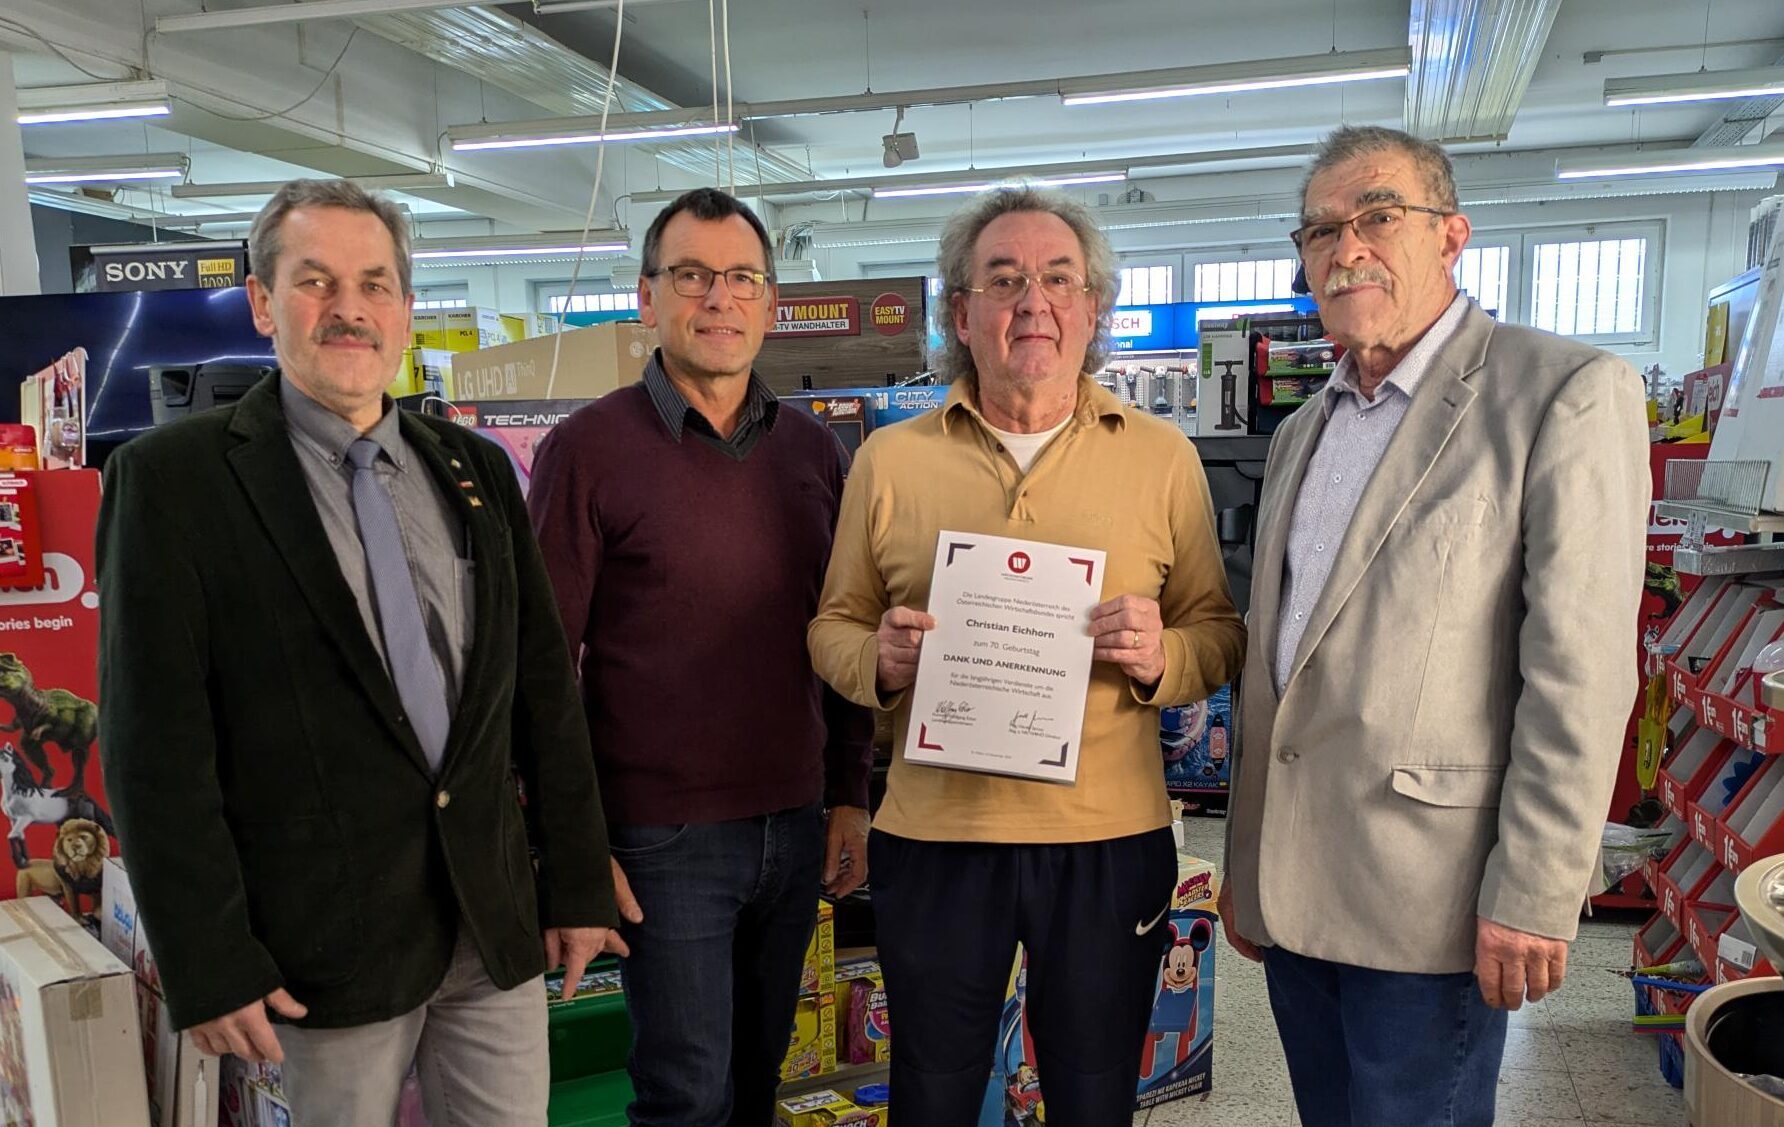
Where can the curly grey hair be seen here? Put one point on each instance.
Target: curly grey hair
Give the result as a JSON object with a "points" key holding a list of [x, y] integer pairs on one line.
{"points": [[264, 246], [955, 262], [1353, 141]]}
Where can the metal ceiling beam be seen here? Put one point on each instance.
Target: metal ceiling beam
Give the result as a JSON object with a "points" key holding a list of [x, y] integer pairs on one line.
{"points": [[1734, 125], [961, 175], [1471, 63], [383, 182], [295, 13], [875, 101]]}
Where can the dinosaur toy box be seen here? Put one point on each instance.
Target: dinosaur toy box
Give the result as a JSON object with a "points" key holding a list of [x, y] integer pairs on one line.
{"points": [[58, 825], [70, 1051]]}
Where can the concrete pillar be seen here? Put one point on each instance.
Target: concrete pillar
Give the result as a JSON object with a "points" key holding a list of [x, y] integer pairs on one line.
{"points": [[18, 242]]}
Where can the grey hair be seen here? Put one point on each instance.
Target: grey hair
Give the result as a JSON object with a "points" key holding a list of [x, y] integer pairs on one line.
{"points": [[264, 245], [1352, 141], [955, 262]]}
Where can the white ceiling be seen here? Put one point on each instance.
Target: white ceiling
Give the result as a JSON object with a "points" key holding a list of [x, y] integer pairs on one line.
{"points": [[817, 48]]}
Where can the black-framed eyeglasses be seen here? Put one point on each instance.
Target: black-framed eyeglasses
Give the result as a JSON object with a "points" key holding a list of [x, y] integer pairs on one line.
{"points": [[1377, 225], [1059, 287], [690, 280]]}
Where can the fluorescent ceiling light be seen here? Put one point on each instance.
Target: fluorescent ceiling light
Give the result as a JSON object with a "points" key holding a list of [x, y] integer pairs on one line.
{"points": [[97, 101], [294, 13], [554, 244], [524, 135], [1699, 86], [383, 182], [1235, 78], [1665, 161], [90, 170], [987, 185]]}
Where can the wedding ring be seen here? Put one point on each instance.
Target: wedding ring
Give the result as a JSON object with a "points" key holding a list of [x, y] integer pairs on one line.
{"points": [[1136, 641]]}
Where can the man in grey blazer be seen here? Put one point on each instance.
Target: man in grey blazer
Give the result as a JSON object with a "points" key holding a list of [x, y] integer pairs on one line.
{"points": [[1449, 565]]}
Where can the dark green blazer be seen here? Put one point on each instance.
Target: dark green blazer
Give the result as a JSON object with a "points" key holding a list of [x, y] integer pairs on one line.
{"points": [[274, 808]]}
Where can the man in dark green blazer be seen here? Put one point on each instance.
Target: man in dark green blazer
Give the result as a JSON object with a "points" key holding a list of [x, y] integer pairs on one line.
{"points": [[328, 649]]}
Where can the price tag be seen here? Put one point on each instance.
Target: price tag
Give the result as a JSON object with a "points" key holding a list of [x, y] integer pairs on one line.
{"points": [[1695, 527]]}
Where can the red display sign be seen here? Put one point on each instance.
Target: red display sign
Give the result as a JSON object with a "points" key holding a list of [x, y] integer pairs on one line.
{"points": [[59, 827], [889, 314], [817, 317]]}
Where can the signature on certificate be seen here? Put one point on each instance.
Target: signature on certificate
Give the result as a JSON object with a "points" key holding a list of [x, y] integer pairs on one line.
{"points": [[952, 710], [1031, 724]]}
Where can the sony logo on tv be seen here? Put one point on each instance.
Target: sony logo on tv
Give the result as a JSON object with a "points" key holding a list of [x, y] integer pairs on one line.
{"points": [[144, 271]]}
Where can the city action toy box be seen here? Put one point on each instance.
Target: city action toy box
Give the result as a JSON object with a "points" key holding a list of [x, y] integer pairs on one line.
{"points": [[1196, 740], [1177, 1058]]}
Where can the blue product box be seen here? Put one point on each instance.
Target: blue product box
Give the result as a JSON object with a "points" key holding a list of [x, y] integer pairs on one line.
{"points": [[1177, 1058], [1197, 742]]}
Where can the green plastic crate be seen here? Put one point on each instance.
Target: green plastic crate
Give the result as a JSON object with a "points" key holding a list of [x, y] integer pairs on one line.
{"points": [[590, 1034], [591, 1101]]}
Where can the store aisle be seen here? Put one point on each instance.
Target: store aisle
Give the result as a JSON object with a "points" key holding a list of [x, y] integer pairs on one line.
{"points": [[1569, 1059]]}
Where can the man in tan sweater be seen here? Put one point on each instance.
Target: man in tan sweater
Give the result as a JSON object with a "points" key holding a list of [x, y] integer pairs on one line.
{"points": [[967, 865]]}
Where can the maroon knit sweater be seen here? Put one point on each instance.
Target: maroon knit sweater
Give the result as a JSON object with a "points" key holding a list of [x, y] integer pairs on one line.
{"points": [[688, 579]]}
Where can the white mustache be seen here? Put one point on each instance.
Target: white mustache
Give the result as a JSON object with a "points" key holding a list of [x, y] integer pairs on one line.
{"points": [[1344, 277]]}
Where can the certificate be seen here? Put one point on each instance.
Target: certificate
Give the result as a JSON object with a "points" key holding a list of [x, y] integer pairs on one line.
{"points": [[1002, 677]]}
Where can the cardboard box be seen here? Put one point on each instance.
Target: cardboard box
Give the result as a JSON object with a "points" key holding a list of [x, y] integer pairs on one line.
{"points": [[591, 363], [825, 1108], [819, 973], [864, 1032], [427, 329], [812, 1048], [1177, 1057], [432, 371], [253, 1095], [540, 325], [473, 327], [1196, 741], [184, 1084], [70, 1045], [515, 326]]}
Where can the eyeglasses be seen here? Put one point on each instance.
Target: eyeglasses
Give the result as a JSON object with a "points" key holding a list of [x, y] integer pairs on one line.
{"points": [[1060, 287], [1378, 225], [696, 281]]}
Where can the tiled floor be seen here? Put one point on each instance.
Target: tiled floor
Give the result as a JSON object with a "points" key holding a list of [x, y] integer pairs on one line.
{"points": [[1568, 1060]]}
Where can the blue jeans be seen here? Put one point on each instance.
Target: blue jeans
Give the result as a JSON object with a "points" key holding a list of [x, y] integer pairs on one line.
{"points": [[713, 978], [1370, 1048]]}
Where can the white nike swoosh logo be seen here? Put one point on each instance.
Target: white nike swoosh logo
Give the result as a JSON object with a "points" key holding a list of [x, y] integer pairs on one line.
{"points": [[1142, 929]]}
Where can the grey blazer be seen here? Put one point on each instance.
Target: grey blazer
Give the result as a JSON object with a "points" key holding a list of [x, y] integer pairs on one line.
{"points": [[1450, 732]]}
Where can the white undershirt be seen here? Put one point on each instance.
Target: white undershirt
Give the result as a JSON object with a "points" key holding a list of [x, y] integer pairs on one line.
{"points": [[1025, 447]]}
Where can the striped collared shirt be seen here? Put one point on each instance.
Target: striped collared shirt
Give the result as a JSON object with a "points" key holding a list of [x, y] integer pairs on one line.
{"points": [[1356, 436], [760, 408]]}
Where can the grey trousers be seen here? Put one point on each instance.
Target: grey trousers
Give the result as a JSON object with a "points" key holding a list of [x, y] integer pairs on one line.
{"points": [[481, 1052]]}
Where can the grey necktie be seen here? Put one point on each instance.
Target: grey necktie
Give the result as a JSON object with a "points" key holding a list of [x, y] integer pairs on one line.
{"points": [[419, 680]]}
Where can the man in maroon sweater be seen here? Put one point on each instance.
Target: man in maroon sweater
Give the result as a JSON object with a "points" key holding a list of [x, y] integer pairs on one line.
{"points": [[686, 524]]}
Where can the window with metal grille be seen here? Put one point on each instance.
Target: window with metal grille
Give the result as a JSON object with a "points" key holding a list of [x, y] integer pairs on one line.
{"points": [[1147, 285], [590, 297], [454, 295], [1591, 287], [1243, 280], [1484, 273]]}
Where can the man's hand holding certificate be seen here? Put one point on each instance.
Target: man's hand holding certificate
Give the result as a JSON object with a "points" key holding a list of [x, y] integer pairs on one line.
{"points": [[1002, 676]]}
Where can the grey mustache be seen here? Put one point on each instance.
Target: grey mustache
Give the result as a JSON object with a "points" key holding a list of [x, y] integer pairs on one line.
{"points": [[1345, 277], [337, 331]]}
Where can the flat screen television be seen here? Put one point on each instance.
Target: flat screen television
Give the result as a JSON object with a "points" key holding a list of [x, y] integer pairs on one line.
{"points": [[125, 335]]}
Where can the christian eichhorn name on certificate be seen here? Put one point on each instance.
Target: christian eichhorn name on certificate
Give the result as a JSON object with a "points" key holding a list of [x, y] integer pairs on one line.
{"points": [[1002, 678]]}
